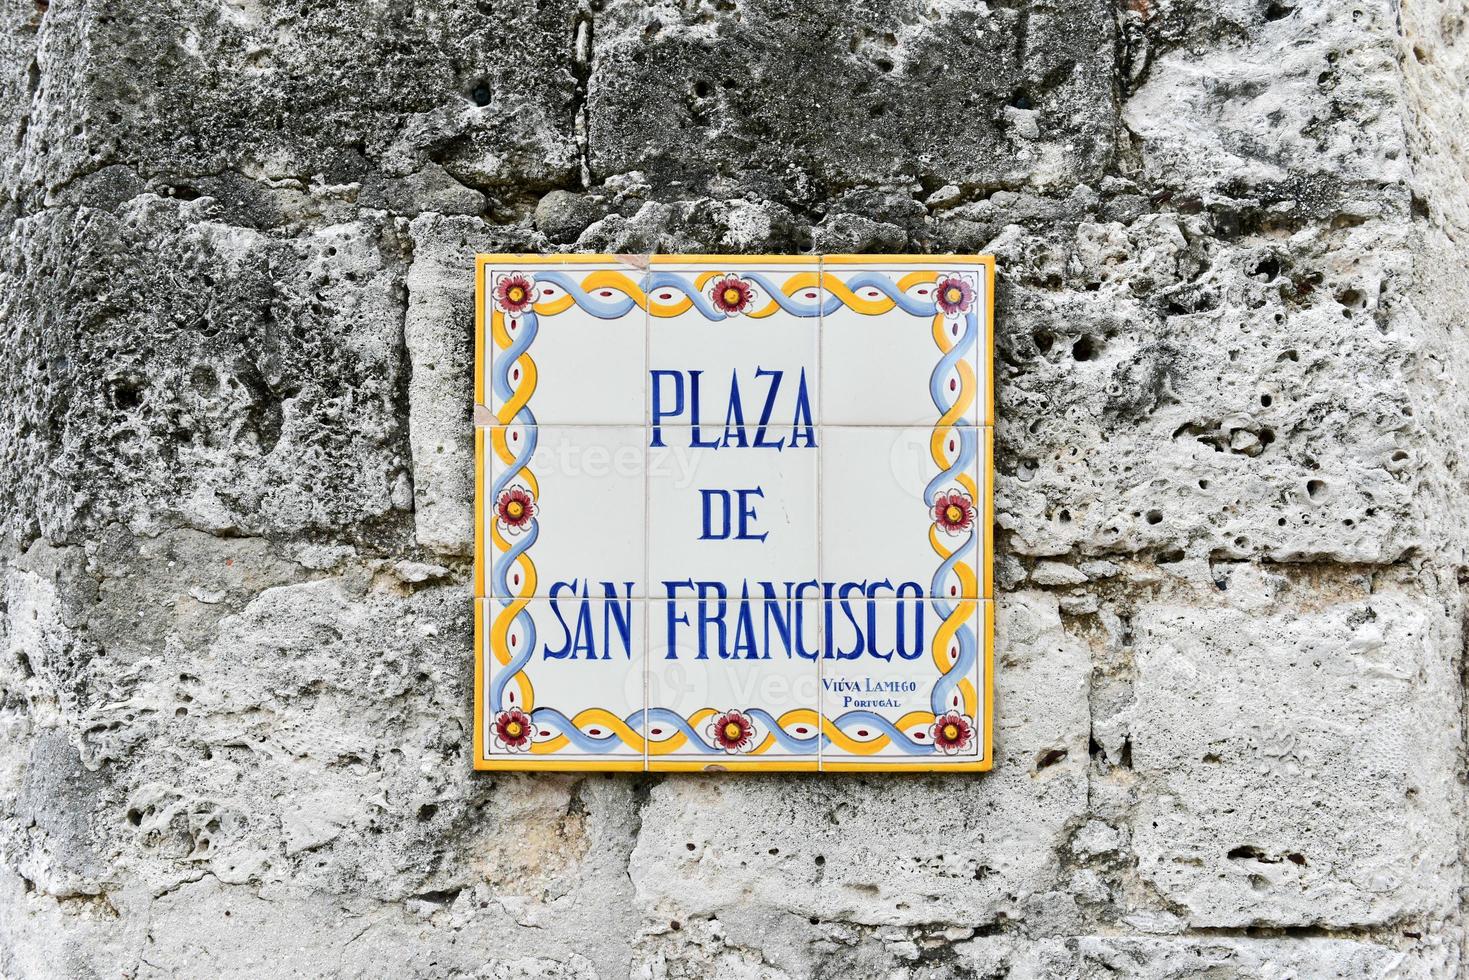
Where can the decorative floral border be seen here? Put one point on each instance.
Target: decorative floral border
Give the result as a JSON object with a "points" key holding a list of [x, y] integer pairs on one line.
{"points": [[517, 728], [949, 300]]}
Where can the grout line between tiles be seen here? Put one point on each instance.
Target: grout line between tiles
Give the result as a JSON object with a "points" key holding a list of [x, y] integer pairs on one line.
{"points": [[647, 659], [820, 490], [647, 520]]}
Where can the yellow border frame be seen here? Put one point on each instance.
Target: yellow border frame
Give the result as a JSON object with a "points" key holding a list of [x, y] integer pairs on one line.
{"points": [[728, 260], [646, 764]]}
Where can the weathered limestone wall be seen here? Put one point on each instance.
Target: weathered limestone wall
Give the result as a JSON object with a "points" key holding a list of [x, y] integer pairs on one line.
{"points": [[235, 313]]}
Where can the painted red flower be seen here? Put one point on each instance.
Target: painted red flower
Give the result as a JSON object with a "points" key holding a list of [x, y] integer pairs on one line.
{"points": [[515, 507], [953, 510], [514, 293], [513, 730], [954, 294], [951, 732], [731, 294], [732, 731]]}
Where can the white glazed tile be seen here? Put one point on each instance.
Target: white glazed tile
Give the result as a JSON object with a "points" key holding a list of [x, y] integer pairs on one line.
{"points": [[761, 521], [880, 348], [879, 678], [879, 490], [748, 669], [585, 491], [759, 351], [577, 665], [579, 348]]}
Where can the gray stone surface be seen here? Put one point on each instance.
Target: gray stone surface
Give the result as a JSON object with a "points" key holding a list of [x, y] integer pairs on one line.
{"points": [[1332, 716], [236, 247]]}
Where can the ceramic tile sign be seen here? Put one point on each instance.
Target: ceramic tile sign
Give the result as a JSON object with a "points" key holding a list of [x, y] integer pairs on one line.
{"points": [[733, 512]]}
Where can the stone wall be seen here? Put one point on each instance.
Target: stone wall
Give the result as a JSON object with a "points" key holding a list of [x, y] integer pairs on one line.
{"points": [[236, 244]]}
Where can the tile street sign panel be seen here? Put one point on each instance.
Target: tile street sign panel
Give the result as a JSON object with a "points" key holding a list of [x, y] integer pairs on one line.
{"points": [[734, 512]]}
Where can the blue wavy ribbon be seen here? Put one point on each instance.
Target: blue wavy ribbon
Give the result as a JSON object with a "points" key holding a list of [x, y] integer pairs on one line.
{"points": [[612, 308], [518, 546], [968, 452], [504, 562], [783, 738], [884, 285], [602, 309], [789, 304], [966, 342], [875, 720], [963, 663], [501, 365], [518, 661], [579, 738]]}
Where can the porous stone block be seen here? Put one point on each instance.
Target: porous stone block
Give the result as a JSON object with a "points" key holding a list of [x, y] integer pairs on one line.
{"points": [[791, 100], [332, 93], [438, 332], [1254, 399], [1110, 957], [775, 858], [172, 370], [1292, 740], [1284, 102]]}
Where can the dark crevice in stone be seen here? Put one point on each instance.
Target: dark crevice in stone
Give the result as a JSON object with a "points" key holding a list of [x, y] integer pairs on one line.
{"points": [[581, 66]]}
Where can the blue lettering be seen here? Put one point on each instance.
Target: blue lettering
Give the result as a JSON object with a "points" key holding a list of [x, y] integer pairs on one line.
{"points": [[734, 417], [709, 497], [916, 651], [747, 514], [673, 620], [617, 615], [745, 635], [766, 410], [585, 640], [694, 439], [563, 651], [659, 413], [856, 650], [803, 434], [716, 620]]}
